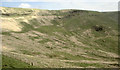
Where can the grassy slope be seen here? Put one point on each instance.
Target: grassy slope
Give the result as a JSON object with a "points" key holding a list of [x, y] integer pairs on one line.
{"points": [[73, 23], [8, 62]]}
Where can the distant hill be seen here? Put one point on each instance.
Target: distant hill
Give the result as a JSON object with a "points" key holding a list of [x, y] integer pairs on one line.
{"points": [[59, 38]]}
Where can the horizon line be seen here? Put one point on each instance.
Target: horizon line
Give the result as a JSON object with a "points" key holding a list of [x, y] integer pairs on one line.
{"points": [[63, 9]]}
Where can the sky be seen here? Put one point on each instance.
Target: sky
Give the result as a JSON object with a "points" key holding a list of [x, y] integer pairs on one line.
{"points": [[95, 5]]}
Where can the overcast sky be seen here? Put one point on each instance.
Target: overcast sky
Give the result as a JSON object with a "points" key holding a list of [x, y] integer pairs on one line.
{"points": [[96, 5]]}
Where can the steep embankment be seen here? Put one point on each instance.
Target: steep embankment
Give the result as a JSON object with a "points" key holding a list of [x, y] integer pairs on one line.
{"points": [[60, 38]]}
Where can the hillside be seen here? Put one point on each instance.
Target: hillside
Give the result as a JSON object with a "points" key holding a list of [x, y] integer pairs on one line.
{"points": [[60, 38]]}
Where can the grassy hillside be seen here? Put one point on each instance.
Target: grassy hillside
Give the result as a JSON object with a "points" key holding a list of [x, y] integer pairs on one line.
{"points": [[60, 38], [8, 62]]}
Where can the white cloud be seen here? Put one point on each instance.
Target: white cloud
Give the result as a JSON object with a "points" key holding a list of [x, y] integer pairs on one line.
{"points": [[24, 5], [60, 0]]}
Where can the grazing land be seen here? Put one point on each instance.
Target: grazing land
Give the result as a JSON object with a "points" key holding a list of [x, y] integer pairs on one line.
{"points": [[34, 38]]}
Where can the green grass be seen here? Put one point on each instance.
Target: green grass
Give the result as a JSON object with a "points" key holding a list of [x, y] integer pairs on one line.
{"points": [[87, 64], [99, 55], [34, 22], [8, 62], [67, 56], [34, 37], [30, 52], [108, 44], [50, 29], [26, 27], [44, 41], [6, 33]]}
